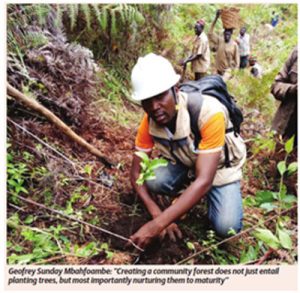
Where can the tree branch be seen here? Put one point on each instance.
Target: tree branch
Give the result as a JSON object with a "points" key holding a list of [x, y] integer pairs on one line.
{"points": [[36, 106], [30, 201]]}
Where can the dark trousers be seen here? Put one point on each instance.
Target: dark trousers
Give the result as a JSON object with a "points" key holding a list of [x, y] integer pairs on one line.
{"points": [[243, 61]]}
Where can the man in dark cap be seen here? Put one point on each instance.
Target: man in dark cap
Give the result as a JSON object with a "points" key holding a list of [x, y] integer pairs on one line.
{"points": [[200, 57], [227, 51]]}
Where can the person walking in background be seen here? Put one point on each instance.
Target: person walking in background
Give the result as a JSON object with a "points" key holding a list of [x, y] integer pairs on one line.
{"points": [[200, 57], [227, 56], [274, 19], [255, 68], [243, 41], [284, 89]]}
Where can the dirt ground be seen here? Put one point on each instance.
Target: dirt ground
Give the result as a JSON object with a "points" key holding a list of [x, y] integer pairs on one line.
{"points": [[110, 192]]}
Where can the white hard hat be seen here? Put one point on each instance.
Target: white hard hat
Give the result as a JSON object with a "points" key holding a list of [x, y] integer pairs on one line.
{"points": [[152, 75]]}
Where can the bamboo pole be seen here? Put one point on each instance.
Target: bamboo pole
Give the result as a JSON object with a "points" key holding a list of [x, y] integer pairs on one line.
{"points": [[36, 106]]}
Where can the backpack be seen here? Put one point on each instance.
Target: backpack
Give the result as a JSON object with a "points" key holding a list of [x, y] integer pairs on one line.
{"points": [[212, 85]]}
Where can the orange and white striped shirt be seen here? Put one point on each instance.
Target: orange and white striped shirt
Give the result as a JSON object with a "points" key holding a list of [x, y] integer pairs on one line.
{"points": [[211, 125]]}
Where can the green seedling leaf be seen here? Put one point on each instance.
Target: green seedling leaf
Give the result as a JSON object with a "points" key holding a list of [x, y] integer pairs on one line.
{"points": [[268, 206], [292, 168], [87, 250], [190, 246], [267, 237], [282, 192], [150, 176], [64, 239], [20, 259], [109, 254], [156, 163], [69, 209], [144, 166], [147, 167], [39, 147], [249, 201], [13, 221], [289, 145], [231, 232], [9, 157], [143, 156], [29, 219], [284, 238], [104, 246], [264, 196], [56, 229], [249, 255], [23, 190], [88, 169], [12, 182], [290, 199], [281, 166], [18, 248], [141, 179]]}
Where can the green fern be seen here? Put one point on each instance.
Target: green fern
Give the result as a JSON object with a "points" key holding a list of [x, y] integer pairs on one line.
{"points": [[123, 10], [59, 15], [87, 14], [135, 15], [97, 13], [73, 13], [103, 19], [113, 22], [36, 39], [41, 11]]}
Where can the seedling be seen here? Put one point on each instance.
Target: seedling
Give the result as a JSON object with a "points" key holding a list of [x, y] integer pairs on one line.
{"points": [[278, 200], [148, 166]]}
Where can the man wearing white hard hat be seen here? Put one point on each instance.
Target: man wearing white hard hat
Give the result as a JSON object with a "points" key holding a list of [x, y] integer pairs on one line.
{"points": [[166, 125]]}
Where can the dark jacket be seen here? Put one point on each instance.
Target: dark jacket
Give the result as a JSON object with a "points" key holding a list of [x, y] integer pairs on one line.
{"points": [[284, 89]]}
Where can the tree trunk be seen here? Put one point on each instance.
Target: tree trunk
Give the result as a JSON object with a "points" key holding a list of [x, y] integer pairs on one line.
{"points": [[33, 104]]}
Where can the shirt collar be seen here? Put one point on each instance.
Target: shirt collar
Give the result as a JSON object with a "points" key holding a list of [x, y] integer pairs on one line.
{"points": [[183, 128]]}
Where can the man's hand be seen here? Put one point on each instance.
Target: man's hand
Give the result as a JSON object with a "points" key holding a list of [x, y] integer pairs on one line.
{"points": [[146, 234], [173, 232], [150, 230], [182, 63]]}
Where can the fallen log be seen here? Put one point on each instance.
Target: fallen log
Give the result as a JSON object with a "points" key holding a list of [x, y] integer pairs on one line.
{"points": [[36, 106]]}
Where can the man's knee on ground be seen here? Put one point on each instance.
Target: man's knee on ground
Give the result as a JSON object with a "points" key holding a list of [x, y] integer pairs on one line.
{"points": [[227, 227], [159, 186]]}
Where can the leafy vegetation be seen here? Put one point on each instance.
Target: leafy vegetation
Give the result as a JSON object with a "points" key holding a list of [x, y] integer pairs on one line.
{"points": [[148, 166], [76, 60], [278, 201]]}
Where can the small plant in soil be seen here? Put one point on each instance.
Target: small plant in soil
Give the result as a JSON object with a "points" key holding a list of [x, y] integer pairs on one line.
{"points": [[148, 166], [278, 201]]}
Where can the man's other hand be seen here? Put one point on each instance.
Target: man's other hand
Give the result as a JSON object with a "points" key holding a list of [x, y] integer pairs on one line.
{"points": [[218, 13], [172, 231]]}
